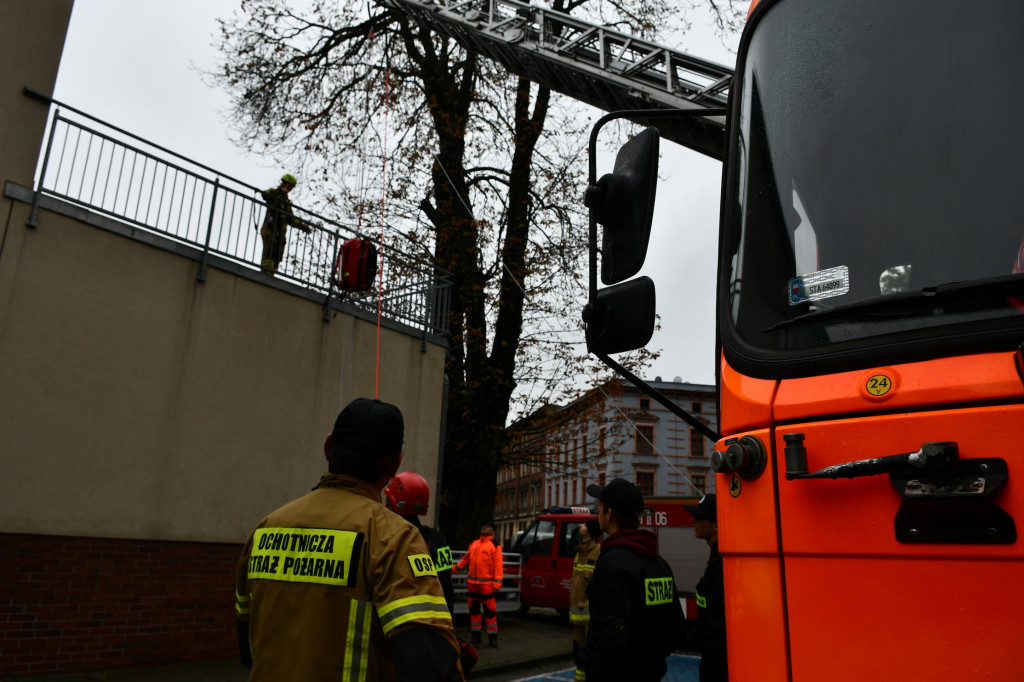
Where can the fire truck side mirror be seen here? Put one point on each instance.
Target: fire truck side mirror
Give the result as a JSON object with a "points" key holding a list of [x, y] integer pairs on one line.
{"points": [[623, 202], [621, 318]]}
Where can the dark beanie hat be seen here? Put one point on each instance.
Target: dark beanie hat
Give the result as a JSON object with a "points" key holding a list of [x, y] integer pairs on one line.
{"points": [[370, 424], [594, 528]]}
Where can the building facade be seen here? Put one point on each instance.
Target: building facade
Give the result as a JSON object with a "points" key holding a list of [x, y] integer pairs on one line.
{"points": [[612, 431]]}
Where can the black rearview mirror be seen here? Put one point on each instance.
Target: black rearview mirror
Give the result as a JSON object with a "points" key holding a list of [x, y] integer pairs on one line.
{"points": [[623, 202], [621, 318]]}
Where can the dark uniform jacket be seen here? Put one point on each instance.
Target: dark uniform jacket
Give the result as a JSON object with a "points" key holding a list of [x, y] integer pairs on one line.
{"points": [[635, 617], [279, 213], [442, 555], [335, 586], [708, 635]]}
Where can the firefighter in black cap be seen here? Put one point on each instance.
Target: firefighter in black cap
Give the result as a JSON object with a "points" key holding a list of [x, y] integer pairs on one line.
{"points": [[708, 634], [636, 621], [335, 586]]}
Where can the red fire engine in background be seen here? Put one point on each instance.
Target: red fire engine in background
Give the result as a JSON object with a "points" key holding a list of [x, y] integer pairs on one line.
{"points": [[548, 545]]}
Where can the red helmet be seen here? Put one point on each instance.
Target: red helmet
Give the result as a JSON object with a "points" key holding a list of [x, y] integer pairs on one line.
{"points": [[408, 494]]}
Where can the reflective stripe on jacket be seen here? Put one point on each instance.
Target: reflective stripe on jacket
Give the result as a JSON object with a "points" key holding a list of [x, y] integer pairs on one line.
{"points": [[485, 566], [582, 572], [326, 579]]}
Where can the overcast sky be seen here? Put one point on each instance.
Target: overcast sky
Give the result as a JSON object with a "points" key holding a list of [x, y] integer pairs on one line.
{"points": [[136, 64]]}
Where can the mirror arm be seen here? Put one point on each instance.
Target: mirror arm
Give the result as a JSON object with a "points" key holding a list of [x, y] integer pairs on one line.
{"points": [[663, 399]]}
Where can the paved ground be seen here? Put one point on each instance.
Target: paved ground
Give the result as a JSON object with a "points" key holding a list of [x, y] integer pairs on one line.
{"points": [[526, 645], [680, 669], [535, 647]]}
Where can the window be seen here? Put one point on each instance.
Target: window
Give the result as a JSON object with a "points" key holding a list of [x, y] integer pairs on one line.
{"points": [[696, 407], [600, 440], [539, 540], [700, 482], [570, 539], [575, 452], [645, 403], [645, 481], [696, 443], [644, 439]]}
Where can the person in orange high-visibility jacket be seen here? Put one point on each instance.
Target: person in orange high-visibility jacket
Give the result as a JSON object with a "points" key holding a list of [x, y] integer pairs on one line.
{"points": [[483, 582]]}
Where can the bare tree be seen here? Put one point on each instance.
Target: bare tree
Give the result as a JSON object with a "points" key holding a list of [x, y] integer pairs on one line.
{"points": [[479, 171]]}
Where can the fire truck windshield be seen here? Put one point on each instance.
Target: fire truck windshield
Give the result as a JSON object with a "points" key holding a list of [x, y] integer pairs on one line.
{"points": [[874, 194]]}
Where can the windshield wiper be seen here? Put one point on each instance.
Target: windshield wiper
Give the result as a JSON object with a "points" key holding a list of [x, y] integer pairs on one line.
{"points": [[1007, 285]]}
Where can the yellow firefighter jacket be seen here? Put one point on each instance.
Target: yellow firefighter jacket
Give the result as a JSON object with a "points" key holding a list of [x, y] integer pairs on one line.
{"points": [[325, 580], [582, 572]]}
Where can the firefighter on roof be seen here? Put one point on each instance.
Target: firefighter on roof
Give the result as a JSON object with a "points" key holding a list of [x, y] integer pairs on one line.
{"points": [[334, 586], [275, 225]]}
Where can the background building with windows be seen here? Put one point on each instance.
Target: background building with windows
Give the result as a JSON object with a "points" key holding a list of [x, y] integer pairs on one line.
{"points": [[612, 431]]}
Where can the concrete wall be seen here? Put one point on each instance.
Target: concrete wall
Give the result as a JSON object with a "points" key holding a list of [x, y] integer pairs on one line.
{"points": [[148, 420], [31, 40], [138, 402]]}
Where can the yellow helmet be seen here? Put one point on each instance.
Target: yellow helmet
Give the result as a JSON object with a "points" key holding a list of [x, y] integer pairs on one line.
{"points": [[289, 178]]}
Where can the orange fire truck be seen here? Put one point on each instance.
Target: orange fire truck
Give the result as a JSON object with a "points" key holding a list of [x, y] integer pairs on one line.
{"points": [[870, 320]]}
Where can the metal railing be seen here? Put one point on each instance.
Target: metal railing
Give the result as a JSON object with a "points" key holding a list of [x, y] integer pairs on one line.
{"points": [[154, 189]]}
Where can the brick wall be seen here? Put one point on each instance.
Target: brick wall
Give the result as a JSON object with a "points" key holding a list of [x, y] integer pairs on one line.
{"points": [[71, 604]]}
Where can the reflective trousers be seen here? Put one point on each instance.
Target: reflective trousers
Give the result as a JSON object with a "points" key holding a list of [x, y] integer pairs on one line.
{"points": [[490, 612]]}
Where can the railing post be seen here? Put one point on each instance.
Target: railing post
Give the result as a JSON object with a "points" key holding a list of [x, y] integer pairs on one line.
{"points": [[201, 275], [330, 278], [428, 310], [33, 216]]}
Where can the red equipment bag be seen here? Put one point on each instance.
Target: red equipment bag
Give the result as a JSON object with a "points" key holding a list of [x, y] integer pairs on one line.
{"points": [[468, 656], [356, 266]]}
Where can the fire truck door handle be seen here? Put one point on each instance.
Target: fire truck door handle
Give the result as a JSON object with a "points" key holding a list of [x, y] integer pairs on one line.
{"points": [[945, 499], [940, 458]]}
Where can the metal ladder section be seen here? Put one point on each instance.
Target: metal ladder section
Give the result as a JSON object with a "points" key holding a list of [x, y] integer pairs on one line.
{"points": [[588, 62]]}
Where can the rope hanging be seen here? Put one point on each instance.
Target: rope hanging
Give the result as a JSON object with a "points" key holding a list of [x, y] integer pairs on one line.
{"points": [[383, 216]]}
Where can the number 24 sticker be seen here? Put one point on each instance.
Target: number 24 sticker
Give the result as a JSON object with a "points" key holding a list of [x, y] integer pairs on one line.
{"points": [[879, 384]]}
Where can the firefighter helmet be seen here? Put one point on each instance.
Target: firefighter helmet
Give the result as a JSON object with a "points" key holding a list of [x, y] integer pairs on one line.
{"points": [[408, 494], [290, 179]]}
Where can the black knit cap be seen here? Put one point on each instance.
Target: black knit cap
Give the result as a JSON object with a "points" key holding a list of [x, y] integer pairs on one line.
{"points": [[594, 528], [370, 424], [620, 496]]}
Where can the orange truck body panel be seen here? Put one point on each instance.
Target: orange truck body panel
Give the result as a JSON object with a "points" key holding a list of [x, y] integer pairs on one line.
{"points": [[813, 566]]}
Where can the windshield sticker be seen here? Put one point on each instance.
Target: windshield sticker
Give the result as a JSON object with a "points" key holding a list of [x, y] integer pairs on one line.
{"points": [[819, 285]]}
